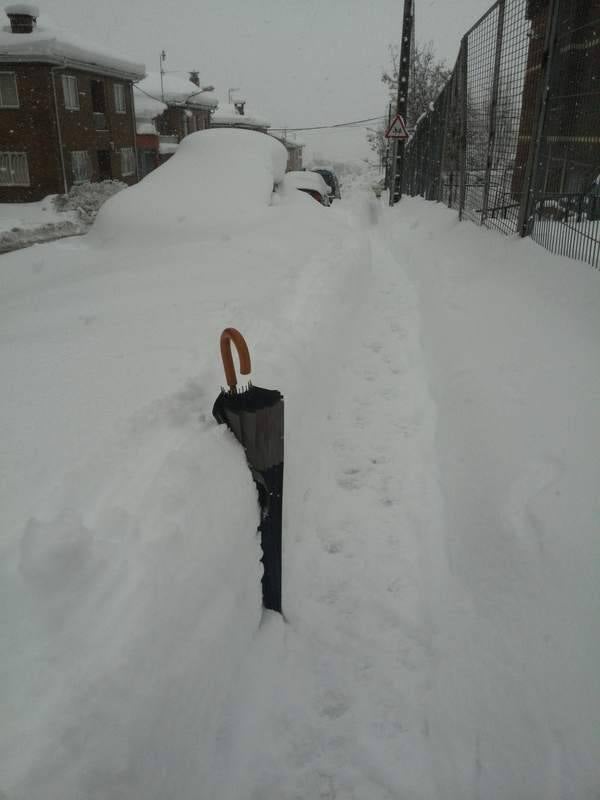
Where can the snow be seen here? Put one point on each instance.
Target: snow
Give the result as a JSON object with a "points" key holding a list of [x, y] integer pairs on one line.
{"points": [[167, 148], [23, 8], [21, 223], [146, 108], [307, 180], [227, 114], [58, 47], [213, 177], [441, 512], [27, 215], [176, 91], [146, 129]]}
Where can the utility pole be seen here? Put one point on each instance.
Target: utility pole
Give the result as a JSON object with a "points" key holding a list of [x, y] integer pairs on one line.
{"points": [[402, 100], [386, 180], [163, 58]]}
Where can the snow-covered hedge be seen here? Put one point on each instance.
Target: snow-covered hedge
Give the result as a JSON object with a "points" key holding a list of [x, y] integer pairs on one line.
{"points": [[87, 198]]}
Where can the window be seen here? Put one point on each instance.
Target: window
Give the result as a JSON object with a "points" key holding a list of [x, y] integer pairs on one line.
{"points": [[9, 97], [70, 92], [14, 169], [81, 166], [98, 100], [127, 161], [120, 104]]}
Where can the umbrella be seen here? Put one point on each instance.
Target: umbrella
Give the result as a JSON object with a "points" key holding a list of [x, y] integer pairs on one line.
{"points": [[255, 416]]}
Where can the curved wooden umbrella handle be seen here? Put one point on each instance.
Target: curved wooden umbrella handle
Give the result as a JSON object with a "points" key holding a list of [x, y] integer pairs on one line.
{"points": [[228, 336]]}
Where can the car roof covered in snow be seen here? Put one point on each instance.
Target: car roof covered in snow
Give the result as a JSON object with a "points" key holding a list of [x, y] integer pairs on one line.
{"points": [[311, 181]]}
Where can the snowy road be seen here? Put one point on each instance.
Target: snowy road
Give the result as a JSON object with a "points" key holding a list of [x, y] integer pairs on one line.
{"points": [[441, 517]]}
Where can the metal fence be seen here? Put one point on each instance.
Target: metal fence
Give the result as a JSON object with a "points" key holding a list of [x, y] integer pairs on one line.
{"points": [[513, 140]]}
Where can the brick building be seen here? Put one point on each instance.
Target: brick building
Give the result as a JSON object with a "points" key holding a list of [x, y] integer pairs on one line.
{"points": [[147, 112], [570, 152], [188, 107], [66, 111]]}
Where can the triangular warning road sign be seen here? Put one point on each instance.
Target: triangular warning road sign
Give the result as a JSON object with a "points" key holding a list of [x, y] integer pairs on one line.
{"points": [[397, 129]]}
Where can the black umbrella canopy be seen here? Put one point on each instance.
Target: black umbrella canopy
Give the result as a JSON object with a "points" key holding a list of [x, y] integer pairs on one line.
{"points": [[255, 417]]}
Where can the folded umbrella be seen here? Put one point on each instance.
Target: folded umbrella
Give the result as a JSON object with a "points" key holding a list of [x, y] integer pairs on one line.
{"points": [[255, 416]]}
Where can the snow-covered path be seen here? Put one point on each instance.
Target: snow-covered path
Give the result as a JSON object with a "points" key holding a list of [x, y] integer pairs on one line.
{"points": [[441, 520], [332, 704]]}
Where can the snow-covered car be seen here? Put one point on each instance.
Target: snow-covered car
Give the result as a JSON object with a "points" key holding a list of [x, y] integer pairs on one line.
{"points": [[310, 182], [332, 182], [215, 176]]}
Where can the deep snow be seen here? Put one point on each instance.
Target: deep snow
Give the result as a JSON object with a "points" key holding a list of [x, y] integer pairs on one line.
{"points": [[441, 517]]}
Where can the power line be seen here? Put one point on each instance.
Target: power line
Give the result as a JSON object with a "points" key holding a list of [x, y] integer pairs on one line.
{"points": [[293, 130], [337, 125]]}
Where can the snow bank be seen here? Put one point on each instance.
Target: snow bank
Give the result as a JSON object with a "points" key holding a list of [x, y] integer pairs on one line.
{"points": [[87, 198], [130, 574], [215, 176], [510, 336], [22, 224]]}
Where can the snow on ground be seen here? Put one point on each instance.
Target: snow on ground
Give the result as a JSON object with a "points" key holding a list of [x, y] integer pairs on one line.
{"points": [[23, 223], [441, 519]]}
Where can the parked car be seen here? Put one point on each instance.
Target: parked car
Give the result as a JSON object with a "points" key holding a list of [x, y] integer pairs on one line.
{"points": [[332, 182], [311, 183]]}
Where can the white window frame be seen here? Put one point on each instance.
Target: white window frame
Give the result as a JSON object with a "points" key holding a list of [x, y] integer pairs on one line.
{"points": [[81, 166], [70, 92], [9, 167], [13, 75], [127, 155], [120, 98]]}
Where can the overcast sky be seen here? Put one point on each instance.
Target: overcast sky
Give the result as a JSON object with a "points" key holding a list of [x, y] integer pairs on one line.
{"points": [[297, 62]]}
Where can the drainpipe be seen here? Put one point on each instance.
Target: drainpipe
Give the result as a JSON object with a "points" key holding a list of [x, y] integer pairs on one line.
{"points": [[58, 129], [134, 126]]}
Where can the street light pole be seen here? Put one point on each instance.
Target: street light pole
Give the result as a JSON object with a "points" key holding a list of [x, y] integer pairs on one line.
{"points": [[163, 57], [402, 100]]}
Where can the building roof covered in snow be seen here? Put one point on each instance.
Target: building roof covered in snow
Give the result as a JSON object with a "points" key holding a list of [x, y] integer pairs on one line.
{"points": [[177, 91], [146, 107], [23, 40], [228, 114]]}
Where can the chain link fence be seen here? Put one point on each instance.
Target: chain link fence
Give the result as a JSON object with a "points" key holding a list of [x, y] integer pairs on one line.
{"points": [[513, 140]]}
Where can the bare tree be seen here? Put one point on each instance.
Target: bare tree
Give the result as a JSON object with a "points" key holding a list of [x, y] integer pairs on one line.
{"points": [[428, 76], [427, 79]]}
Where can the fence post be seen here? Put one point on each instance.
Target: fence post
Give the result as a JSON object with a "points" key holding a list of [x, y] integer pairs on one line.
{"points": [[463, 99], [541, 106], [447, 99], [493, 112]]}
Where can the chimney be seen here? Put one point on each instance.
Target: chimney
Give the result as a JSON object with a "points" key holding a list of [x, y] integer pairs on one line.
{"points": [[239, 107], [195, 77], [22, 17]]}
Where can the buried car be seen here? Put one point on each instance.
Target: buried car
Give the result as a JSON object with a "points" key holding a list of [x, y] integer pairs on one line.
{"points": [[311, 183], [332, 182], [215, 175]]}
